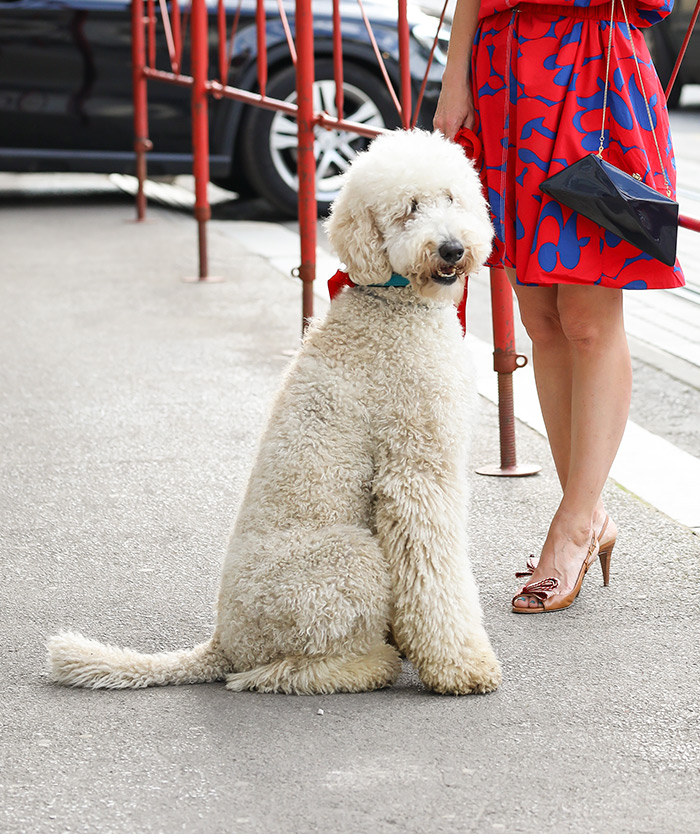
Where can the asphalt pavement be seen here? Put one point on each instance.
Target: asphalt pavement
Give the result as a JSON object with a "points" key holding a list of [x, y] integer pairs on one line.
{"points": [[131, 404]]}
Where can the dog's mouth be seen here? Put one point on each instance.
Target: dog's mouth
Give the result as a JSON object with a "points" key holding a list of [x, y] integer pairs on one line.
{"points": [[446, 274]]}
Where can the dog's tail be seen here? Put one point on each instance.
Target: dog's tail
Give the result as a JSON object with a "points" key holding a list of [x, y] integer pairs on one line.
{"points": [[76, 661]]}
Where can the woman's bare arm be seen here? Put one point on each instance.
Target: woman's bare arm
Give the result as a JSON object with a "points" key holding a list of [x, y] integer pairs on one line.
{"points": [[455, 108]]}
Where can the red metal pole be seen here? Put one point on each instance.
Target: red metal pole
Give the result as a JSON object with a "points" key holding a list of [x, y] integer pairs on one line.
{"points": [[221, 46], [151, 32], [177, 34], [261, 31], [681, 53], [234, 29], [428, 67], [306, 163], [404, 65], [380, 58], [505, 361], [689, 223], [287, 31], [200, 126], [169, 35], [338, 60], [142, 144]]}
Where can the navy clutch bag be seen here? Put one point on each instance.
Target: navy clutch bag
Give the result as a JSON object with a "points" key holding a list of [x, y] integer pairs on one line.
{"points": [[620, 203]]}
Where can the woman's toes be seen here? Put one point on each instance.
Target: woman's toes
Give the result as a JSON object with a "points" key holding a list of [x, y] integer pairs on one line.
{"points": [[526, 601]]}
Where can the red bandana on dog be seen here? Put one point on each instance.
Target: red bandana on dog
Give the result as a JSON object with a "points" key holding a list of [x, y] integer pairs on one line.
{"points": [[342, 279]]}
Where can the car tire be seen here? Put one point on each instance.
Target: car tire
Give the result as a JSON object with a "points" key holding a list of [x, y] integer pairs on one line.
{"points": [[664, 62], [268, 150]]}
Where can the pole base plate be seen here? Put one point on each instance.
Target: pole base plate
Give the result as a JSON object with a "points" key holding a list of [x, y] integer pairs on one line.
{"points": [[520, 470]]}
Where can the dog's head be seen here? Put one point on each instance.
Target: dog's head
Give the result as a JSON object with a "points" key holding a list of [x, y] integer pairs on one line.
{"points": [[412, 204]]}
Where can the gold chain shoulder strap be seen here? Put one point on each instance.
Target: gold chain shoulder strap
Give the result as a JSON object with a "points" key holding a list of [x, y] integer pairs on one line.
{"points": [[641, 85]]}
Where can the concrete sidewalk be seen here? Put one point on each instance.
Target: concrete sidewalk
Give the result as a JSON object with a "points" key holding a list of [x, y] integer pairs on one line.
{"points": [[131, 403]]}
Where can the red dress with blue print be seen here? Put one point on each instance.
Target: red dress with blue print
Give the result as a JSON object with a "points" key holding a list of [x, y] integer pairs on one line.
{"points": [[538, 76]]}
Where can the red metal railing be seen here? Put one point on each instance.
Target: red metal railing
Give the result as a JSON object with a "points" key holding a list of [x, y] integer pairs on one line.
{"points": [[175, 25], [686, 222]]}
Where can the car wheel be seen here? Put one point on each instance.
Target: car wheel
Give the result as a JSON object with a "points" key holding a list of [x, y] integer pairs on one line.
{"points": [[664, 62], [269, 138]]}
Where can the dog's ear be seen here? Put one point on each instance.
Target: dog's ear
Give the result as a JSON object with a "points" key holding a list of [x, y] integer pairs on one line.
{"points": [[357, 240]]}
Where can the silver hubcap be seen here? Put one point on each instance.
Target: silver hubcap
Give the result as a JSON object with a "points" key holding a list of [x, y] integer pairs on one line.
{"points": [[334, 150]]}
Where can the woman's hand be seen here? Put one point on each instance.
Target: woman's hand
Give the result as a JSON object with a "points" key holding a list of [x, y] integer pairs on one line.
{"points": [[455, 108]]}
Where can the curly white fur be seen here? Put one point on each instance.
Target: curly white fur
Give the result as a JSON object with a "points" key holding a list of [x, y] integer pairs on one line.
{"points": [[354, 519]]}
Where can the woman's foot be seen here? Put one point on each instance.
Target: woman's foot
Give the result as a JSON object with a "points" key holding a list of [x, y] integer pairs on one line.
{"points": [[556, 578]]}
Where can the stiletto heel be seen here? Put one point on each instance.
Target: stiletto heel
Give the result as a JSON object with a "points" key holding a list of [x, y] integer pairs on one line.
{"points": [[606, 549], [605, 564]]}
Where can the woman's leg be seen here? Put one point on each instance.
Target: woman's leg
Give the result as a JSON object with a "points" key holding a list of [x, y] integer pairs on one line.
{"points": [[583, 374], [552, 364], [593, 324]]}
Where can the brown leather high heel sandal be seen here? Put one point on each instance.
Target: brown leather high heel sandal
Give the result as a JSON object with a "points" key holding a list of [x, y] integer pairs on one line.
{"points": [[605, 549], [545, 590]]}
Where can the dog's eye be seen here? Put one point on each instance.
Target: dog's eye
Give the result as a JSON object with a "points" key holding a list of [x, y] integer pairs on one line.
{"points": [[409, 210]]}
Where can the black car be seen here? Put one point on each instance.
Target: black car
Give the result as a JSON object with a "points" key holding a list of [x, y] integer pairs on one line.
{"points": [[65, 94], [664, 41]]}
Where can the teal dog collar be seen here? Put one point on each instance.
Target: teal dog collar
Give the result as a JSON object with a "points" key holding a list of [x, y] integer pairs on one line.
{"points": [[396, 280]]}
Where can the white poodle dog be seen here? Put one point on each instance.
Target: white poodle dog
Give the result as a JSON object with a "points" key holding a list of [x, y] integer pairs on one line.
{"points": [[353, 524]]}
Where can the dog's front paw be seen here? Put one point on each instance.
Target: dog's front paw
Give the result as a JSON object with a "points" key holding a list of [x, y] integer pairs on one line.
{"points": [[475, 673]]}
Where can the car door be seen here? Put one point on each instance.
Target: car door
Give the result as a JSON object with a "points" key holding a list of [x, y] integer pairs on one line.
{"points": [[66, 89]]}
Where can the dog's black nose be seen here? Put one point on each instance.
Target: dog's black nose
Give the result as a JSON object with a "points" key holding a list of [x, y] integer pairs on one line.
{"points": [[451, 251]]}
